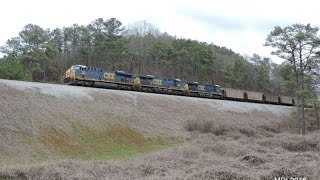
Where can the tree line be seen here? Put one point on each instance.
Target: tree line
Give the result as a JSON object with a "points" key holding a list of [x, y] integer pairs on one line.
{"points": [[45, 55], [39, 54]]}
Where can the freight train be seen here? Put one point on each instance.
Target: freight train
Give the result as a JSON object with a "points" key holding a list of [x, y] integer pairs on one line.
{"points": [[89, 76]]}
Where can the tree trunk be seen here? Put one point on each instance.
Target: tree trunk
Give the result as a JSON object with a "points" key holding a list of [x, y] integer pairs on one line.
{"points": [[298, 114], [317, 116], [60, 63], [302, 100], [113, 63], [318, 121], [157, 65], [302, 117], [44, 71]]}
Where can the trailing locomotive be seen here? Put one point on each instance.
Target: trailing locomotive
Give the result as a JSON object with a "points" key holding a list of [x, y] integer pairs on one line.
{"points": [[89, 76]]}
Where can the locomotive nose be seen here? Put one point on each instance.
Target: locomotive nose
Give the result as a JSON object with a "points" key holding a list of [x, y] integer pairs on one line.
{"points": [[70, 73]]}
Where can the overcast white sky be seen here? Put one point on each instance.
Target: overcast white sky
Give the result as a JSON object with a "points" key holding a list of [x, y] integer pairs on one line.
{"points": [[238, 25]]}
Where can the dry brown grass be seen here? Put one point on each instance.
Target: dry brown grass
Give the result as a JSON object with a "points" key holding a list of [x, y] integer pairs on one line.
{"points": [[205, 156], [290, 172], [293, 142], [291, 124], [220, 175], [58, 141], [48, 137]]}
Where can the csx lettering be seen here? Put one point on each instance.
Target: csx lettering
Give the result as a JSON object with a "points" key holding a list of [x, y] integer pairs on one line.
{"points": [[157, 82], [109, 76]]}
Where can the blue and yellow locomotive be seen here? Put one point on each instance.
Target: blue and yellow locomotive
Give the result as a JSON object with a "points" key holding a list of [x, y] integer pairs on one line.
{"points": [[88, 76]]}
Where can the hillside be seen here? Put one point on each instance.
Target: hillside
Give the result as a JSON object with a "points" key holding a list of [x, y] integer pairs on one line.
{"points": [[55, 131], [43, 55]]}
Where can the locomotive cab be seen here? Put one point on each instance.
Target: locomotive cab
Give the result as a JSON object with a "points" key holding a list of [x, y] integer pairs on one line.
{"points": [[83, 73], [193, 86], [72, 73], [212, 89], [146, 80], [172, 83], [124, 77]]}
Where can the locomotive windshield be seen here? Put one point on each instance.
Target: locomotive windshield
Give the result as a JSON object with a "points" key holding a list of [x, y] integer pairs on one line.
{"points": [[217, 87], [76, 67]]}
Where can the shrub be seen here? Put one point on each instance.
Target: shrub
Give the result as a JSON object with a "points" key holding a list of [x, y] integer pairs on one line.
{"points": [[11, 68], [13, 174], [299, 145], [205, 126], [293, 142], [253, 160], [270, 128], [248, 131]]}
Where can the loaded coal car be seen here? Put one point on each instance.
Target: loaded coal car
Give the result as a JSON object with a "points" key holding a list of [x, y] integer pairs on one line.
{"points": [[271, 99], [241, 95], [258, 97], [234, 94], [253, 96], [283, 100], [287, 100]]}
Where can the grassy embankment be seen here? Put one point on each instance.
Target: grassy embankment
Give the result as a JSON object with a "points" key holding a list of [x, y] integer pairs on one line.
{"points": [[82, 142]]}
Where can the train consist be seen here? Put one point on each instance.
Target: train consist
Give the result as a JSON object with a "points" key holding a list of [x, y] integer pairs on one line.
{"points": [[89, 76]]}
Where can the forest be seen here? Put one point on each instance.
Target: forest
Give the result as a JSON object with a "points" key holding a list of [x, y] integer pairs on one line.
{"points": [[39, 54]]}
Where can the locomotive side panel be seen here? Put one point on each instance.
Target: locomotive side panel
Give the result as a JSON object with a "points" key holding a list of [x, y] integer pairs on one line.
{"points": [[92, 73], [286, 99]]}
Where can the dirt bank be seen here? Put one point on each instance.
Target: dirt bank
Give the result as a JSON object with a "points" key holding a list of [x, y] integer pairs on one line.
{"points": [[243, 141]]}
